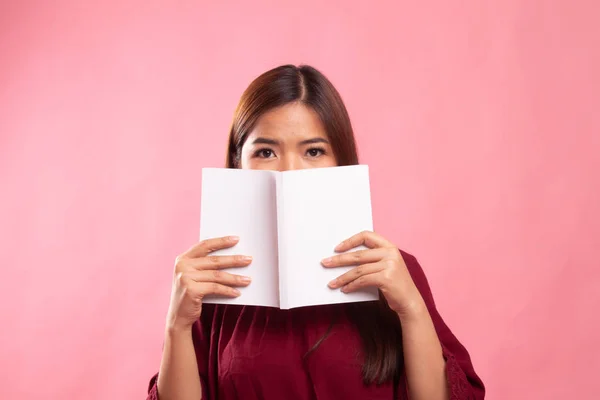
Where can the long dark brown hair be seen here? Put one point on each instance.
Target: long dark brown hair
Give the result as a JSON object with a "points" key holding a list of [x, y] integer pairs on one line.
{"points": [[378, 326]]}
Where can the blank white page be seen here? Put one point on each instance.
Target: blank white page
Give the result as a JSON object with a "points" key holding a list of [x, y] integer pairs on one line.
{"points": [[243, 203], [319, 208]]}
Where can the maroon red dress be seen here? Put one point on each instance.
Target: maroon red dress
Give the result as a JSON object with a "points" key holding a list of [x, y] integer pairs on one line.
{"points": [[247, 352]]}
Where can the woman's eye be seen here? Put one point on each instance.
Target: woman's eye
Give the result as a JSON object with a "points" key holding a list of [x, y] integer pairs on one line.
{"points": [[315, 152], [264, 153]]}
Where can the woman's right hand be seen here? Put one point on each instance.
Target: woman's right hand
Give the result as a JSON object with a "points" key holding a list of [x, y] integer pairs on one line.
{"points": [[198, 274]]}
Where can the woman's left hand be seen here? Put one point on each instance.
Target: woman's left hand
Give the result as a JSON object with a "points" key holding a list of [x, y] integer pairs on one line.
{"points": [[381, 266]]}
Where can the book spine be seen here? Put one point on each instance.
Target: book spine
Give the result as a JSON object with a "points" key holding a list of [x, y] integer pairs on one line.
{"points": [[281, 256]]}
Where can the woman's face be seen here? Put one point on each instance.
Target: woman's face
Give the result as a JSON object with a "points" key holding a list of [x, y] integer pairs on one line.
{"points": [[286, 138]]}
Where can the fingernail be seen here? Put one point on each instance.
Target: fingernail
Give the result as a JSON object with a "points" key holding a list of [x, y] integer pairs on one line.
{"points": [[246, 279], [236, 292], [333, 283], [326, 261], [246, 258], [234, 238], [344, 289], [339, 246]]}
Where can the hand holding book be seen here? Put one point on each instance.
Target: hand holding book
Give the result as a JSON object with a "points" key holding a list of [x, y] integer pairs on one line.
{"points": [[380, 266], [199, 274]]}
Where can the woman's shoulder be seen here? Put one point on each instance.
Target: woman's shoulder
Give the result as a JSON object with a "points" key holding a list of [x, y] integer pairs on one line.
{"points": [[418, 275], [412, 264], [407, 256]]}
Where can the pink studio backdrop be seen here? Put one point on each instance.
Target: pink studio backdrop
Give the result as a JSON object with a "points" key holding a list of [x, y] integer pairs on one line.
{"points": [[479, 120]]}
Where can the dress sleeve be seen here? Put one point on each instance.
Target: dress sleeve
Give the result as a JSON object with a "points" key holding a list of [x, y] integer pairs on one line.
{"points": [[201, 334], [463, 382]]}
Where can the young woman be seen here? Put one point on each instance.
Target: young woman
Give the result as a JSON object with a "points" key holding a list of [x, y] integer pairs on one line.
{"points": [[398, 348]]}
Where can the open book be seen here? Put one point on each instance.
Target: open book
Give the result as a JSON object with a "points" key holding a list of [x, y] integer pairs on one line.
{"points": [[288, 222]]}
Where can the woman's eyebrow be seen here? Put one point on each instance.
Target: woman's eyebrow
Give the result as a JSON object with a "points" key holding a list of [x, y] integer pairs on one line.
{"points": [[314, 140], [261, 140], [273, 142]]}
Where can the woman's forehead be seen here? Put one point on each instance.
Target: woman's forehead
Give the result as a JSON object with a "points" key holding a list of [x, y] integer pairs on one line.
{"points": [[289, 122]]}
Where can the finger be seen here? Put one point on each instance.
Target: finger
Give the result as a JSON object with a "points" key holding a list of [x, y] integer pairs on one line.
{"points": [[207, 246], [357, 257], [356, 273], [218, 262], [202, 289], [217, 276], [369, 239], [370, 280]]}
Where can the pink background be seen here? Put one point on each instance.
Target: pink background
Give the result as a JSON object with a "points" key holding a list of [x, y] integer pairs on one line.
{"points": [[479, 120]]}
